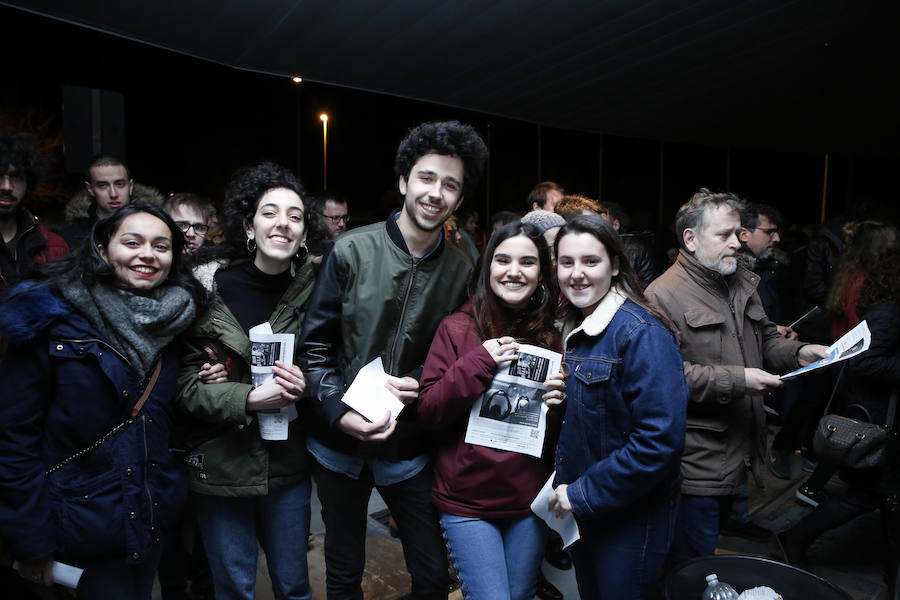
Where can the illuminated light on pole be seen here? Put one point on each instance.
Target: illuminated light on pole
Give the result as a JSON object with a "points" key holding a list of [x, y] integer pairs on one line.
{"points": [[324, 118], [297, 79]]}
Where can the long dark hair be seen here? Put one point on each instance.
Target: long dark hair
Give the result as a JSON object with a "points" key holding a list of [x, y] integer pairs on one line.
{"points": [[534, 323], [627, 279], [88, 264]]}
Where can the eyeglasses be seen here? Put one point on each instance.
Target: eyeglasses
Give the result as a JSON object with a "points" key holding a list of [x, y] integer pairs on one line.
{"points": [[769, 231], [199, 228], [338, 218]]}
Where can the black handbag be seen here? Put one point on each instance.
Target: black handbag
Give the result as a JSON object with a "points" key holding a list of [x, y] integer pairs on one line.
{"points": [[847, 442]]}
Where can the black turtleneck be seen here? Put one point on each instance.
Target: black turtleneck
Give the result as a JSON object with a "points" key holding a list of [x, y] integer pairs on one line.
{"points": [[249, 293]]}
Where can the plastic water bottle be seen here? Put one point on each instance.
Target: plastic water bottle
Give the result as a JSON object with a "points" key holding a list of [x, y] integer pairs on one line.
{"points": [[718, 590]]}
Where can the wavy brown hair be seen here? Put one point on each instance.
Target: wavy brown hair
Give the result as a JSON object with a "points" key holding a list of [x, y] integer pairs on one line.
{"points": [[866, 241], [533, 324]]}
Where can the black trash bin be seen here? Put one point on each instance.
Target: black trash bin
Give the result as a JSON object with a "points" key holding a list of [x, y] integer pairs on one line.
{"points": [[688, 580]]}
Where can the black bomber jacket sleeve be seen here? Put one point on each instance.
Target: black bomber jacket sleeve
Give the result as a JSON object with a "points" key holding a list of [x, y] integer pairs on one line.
{"points": [[321, 341]]}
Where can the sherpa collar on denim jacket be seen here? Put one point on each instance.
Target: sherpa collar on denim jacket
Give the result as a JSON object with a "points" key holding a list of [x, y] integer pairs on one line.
{"points": [[596, 322]]}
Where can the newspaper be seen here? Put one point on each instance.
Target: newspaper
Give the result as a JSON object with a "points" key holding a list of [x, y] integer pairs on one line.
{"points": [[265, 348], [566, 527], [511, 414], [854, 342], [368, 396]]}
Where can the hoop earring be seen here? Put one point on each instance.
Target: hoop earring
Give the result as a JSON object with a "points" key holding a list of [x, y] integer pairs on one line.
{"points": [[540, 294], [249, 242], [304, 255]]}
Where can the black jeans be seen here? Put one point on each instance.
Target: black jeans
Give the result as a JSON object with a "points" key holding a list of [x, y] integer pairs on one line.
{"points": [[344, 504]]}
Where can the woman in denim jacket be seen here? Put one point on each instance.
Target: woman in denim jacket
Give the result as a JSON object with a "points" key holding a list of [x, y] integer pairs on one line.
{"points": [[619, 453]]}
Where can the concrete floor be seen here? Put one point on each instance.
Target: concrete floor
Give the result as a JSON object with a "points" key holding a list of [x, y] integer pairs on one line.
{"points": [[848, 557]]}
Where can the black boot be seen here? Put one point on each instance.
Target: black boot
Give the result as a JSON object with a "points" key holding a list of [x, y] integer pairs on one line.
{"points": [[546, 590]]}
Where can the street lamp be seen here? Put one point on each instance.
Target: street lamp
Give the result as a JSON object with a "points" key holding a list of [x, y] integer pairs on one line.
{"points": [[324, 118]]}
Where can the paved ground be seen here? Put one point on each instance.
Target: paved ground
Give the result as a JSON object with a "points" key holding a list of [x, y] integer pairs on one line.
{"points": [[847, 557]]}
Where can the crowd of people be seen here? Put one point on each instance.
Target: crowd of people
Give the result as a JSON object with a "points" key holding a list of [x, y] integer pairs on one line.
{"points": [[131, 417]]}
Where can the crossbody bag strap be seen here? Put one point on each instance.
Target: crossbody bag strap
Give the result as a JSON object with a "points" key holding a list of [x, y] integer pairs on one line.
{"points": [[834, 389], [892, 409], [140, 403], [118, 428]]}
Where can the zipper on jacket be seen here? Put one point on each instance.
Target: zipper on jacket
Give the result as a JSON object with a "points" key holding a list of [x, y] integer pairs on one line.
{"points": [[409, 285], [147, 471]]}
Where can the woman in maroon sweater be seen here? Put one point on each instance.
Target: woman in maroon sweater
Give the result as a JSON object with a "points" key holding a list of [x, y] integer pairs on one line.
{"points": [[484, 495]]}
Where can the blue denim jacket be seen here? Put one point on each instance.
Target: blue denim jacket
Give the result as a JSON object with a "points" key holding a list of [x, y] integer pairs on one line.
{"points": [[623, 433]]}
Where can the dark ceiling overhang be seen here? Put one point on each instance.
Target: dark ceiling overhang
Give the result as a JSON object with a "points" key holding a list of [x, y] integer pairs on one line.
{"points": [[804, 73]]}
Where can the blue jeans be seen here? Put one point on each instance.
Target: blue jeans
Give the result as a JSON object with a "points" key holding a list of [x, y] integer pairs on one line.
{"points": [[697, 531], [112, 579], [623, 555], [231, 527], [495, 559]]}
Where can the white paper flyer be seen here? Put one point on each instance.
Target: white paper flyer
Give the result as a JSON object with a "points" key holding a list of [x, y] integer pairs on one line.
{"points": [[854, 342], [265, 348], [567, 527], [511, 414], [368, 396]]}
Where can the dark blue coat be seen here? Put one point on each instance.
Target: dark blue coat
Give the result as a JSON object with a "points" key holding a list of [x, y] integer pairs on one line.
{"points": [[623, 433], [62, 386]]}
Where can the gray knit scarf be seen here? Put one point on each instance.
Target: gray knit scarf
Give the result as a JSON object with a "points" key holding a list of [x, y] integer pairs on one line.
{"points": [[138, 326]]}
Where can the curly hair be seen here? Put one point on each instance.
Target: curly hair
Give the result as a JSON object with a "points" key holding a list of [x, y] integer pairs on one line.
{"points": [[533, 324], [866, 242], [448, 138], [244, 190], [20, 151], [573, 205], [883, 281]]}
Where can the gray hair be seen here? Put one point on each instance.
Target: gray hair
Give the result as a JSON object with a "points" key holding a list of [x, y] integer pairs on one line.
{"points": [[690, 215]]}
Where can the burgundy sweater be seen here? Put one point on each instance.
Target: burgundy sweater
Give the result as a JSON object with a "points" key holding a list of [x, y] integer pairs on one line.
{"points": [[471, 480]]}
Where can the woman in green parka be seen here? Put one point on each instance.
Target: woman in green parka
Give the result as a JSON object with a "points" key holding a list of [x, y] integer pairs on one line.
{"points": [[248, 489]]}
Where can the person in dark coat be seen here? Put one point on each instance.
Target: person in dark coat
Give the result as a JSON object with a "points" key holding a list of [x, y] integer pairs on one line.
{"points": [[88, 475], [866, 387]]}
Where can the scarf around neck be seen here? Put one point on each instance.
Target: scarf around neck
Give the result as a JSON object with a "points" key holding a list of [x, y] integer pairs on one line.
{"points": [[136, 325]]}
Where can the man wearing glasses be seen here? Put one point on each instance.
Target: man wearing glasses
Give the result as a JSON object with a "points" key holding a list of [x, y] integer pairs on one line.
{"points": [[759, 236], [189, 213], [333, 213]]}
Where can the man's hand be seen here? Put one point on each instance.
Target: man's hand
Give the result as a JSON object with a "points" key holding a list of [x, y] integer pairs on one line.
{"points": [[758, 380], [559, 502], [405, 388], [286, 388], [811, 353], [38, 571], [786, 332], [355, 425]]}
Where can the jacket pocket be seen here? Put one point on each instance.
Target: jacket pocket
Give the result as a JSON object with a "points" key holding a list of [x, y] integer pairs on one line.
{"points": [[705, 450], [89, 516], [704, 342]]}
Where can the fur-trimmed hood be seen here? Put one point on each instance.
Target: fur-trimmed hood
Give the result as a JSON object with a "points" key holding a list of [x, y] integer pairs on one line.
{"points": [[29, 310]]}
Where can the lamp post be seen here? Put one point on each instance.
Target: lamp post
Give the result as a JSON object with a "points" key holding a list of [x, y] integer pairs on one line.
{"points": [[324, 118]]}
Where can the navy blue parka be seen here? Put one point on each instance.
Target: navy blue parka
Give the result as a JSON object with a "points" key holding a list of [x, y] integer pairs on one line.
{"points": [[62, 386]]}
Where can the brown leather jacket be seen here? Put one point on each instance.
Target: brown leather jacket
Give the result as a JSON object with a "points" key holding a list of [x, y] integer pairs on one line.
{"points": [[722, 329]]}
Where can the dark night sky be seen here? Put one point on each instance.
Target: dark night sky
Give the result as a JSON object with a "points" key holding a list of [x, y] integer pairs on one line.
{"points": [[189, 123]]}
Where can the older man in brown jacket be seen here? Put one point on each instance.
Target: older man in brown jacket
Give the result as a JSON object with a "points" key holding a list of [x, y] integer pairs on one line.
{"points": [[726, 339]]}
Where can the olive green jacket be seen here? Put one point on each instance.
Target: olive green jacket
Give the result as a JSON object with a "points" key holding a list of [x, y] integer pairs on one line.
{"points": [[225, 454]]}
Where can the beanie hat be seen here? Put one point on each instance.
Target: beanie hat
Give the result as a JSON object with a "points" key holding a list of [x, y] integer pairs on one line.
{"points": [[544, 220]]}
